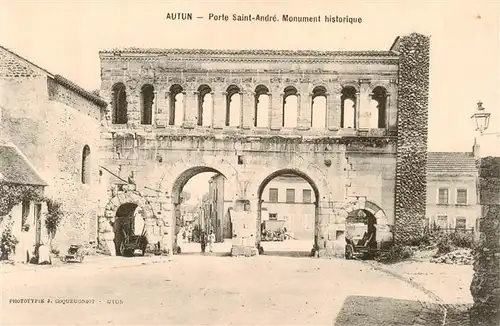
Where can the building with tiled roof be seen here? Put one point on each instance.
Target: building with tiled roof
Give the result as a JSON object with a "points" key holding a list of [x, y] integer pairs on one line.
{"points": [[451, 190], [56, 123]]}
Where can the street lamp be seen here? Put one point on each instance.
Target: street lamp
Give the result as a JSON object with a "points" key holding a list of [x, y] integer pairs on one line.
{"points": [[481, 118]]}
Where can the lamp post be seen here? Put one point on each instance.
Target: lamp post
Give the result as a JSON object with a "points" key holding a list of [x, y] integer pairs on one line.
{"points": [[481, 118]]}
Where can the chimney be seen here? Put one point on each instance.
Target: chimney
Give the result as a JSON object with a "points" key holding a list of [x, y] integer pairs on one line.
{"points": [[476, 149]]}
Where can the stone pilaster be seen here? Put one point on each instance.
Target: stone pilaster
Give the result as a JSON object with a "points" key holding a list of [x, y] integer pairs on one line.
{"points": [[485, 286], [364, 105], [219, 109], [334, 110], [304, 119], [276, 113], [248, 108], [191, 110]]}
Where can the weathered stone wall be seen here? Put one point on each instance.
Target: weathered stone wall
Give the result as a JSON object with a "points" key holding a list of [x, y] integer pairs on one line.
{"points": [[52, 135], [413, 93], [485, 286]]}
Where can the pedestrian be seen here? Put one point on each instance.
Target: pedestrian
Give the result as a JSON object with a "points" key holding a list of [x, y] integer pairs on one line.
{"points": [[211, 241], [203, 241]]}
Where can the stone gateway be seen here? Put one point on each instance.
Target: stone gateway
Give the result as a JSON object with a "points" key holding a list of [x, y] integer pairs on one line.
{"points": [[353, 124]]}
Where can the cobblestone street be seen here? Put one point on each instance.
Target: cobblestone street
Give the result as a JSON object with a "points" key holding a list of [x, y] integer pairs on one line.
{"points": [[212, 289]]}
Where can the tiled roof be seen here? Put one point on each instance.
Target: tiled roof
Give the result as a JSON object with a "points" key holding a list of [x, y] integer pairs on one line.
{"points": [[155, 51], [79, 90], [16, 168], [14, 65], [451, 162]]}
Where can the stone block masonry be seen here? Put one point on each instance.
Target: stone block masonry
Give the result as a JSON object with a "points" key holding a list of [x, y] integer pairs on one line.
{"points": [[413, 93], [485, 286]]}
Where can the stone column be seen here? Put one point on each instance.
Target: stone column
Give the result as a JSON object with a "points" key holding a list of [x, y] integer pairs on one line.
{"points": [[240, 124], [334, 110], [357, 111], [167, 110], [190, 110], [485, 286], [276, 112], [212, 114], [248, 108], [219, 109]]}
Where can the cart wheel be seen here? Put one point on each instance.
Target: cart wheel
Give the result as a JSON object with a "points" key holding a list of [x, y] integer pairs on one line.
{"points": [[348, 252]]}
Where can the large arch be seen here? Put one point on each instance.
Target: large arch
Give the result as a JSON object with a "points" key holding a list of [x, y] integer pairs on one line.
{"points": [[182, 179], [281, 172]]}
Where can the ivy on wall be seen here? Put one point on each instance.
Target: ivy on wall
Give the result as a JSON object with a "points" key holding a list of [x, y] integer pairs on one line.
{"points": [[13, 194]]}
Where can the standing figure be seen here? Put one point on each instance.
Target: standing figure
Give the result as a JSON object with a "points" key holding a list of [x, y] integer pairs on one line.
{"points": [[203, 241], [211, 241], [24, 248]]}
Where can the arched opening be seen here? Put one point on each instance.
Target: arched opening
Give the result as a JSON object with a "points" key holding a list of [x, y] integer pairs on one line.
{"points": [[233, 106], [361, 228], [119, 103], [125, 223], [205, 106], [348, 107], [290, 107], [379, 107], [261, 112], [287, 213], [201, 207], [86, 165], [318, 108], [176, 114], [147, 99]]}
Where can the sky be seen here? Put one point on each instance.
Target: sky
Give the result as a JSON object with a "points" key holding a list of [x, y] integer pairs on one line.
{"points": [[64, 37]]}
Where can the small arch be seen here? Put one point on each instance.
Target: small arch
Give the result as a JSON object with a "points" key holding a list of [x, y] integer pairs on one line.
{"points": [[348, 107], [379, 107], [147, 99], [86, 165], [318, 108], [119, 103], [233, 106], [205, 106], [290, 109], [261, 110], [176, 112]]}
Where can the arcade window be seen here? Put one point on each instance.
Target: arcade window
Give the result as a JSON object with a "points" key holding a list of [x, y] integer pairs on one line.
{"points": [[273, 195], [290, 195], [443, 197], [461, 196]]}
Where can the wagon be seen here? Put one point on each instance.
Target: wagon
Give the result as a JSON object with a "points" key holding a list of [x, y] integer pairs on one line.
{"points": [[132, 242], [273, 230], [74, 254]]}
